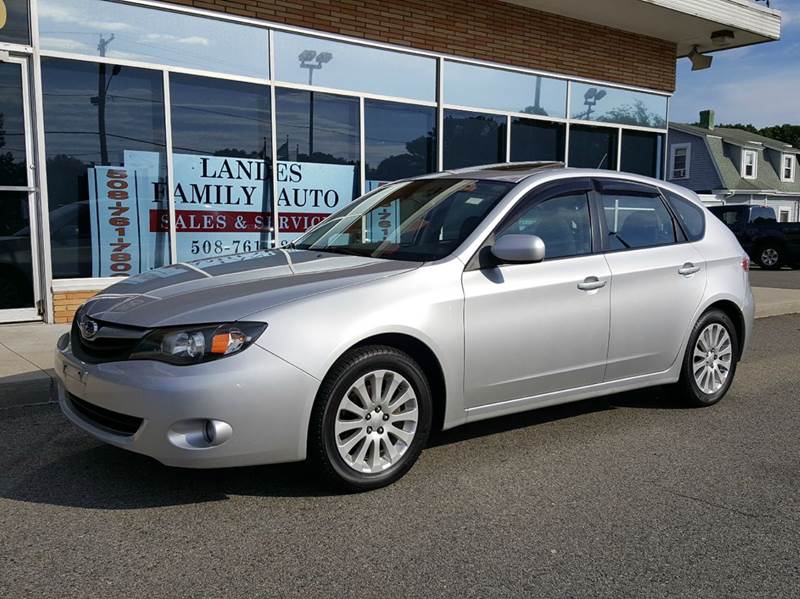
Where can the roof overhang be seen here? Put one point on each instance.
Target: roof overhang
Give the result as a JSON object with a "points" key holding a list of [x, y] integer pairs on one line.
{"points": [[687, 23]]}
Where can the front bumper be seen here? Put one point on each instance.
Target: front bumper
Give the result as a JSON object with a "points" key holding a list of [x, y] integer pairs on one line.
{"points": [[265, 400]]}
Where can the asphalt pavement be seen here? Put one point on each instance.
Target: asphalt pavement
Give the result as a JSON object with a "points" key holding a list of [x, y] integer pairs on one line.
{"points": [[631, 495]]}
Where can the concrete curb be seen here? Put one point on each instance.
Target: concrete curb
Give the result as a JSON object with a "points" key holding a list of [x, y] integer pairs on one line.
{"points": [[776, 302]]}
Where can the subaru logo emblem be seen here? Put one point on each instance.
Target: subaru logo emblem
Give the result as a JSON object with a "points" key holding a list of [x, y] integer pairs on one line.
{"points": [[88, 327]]}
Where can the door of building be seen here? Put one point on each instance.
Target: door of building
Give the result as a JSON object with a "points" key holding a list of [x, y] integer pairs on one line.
{"points": [[19, 256]]}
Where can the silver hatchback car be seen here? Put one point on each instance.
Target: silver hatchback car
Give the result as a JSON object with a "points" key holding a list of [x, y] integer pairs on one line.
{"points": [[426, 304]]}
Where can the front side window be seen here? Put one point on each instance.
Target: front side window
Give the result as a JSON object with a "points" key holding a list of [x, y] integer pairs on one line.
{"points": [[749, 167], [416, 220], [563, 223], [636, 221]]}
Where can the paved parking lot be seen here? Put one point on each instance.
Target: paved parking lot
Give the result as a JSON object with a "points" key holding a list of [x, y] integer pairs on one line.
{"points": [[627, 496]]}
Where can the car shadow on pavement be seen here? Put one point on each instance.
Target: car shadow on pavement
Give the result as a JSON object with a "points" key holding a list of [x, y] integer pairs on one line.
{"points": [[88, 475], [658, 398]]}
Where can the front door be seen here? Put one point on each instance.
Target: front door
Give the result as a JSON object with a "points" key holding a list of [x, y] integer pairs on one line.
{"points": [[534, 329], [19, 268]]}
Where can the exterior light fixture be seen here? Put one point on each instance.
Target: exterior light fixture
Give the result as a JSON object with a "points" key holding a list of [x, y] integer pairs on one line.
{"points": [[699, 61], [590, 98]]}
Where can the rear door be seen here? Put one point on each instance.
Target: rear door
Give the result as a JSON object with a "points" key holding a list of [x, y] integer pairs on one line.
{"points": [[657, 278]]}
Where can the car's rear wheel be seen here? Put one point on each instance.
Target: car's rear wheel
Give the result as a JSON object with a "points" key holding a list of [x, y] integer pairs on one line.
{"points": [[710, 361], [371, 419], [770, 257]]}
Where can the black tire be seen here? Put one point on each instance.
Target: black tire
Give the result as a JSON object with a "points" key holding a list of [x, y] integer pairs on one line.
{"points": [[687, 386], [322, 449], [766, 253]]}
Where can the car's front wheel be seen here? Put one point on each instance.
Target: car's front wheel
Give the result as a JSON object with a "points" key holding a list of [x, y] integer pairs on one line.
{"points": [[709, 364], [371, 419]]}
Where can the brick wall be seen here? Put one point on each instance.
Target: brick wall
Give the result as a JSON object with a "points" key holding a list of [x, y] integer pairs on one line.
{"points": [[65, 304], [483, 29]]}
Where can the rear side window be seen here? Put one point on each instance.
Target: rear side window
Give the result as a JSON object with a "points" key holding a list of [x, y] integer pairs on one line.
{"points": [[690, 214], [636, 221]]}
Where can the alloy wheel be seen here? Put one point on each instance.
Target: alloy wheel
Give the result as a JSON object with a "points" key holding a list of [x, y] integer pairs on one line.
{"points": [[769, 257], [713, 354], [376, 421]]}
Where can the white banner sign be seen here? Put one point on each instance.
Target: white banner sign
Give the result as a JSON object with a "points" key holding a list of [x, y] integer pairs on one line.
{"points": [[221, 207]]}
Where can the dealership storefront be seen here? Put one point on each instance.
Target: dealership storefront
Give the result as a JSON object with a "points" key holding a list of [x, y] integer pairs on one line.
{"points": [[138, 134]]}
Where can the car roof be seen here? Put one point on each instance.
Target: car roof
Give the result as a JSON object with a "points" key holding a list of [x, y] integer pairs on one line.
{"points": [[512, 172]]}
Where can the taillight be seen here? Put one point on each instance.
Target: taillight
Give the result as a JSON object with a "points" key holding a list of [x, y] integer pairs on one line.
{"points": [[745, 263]]}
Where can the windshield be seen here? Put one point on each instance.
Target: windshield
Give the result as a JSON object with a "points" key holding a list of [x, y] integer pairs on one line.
{"points": [[418, 220]]}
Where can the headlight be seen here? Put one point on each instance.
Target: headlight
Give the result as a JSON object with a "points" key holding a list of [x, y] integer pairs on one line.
{"points": [[191, 345]]}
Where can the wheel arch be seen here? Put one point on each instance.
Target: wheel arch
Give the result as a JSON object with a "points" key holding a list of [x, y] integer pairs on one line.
{"points": [[732, 311], [425, 357]]}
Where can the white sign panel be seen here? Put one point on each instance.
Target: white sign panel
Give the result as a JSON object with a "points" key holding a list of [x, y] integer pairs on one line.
{"points": [[222, 206], [309, 192]]}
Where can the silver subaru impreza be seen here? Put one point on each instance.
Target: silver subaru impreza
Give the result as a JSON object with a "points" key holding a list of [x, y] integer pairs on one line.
{"points": [[426, 304]]}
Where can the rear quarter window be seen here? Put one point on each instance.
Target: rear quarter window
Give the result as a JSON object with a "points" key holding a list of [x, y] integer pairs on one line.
{"points": [[690, 214]]}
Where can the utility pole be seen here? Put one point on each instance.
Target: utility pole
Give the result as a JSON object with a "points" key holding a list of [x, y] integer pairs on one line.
{"points": [[101, 98]]}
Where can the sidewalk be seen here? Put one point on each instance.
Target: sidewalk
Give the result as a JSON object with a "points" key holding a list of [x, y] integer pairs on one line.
{"points": [[26, 350]]}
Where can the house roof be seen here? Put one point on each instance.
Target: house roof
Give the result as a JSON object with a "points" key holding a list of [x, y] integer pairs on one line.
{"points": [[768, 178]]}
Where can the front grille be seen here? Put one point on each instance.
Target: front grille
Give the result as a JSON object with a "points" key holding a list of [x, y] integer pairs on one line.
{"points": [[113, 422], [113, 343]]}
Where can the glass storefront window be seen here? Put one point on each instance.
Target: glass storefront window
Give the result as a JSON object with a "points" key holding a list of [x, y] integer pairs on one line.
{"points": [[642, 153], [222, 157], [498, 89], [15, 27], [592, 147], [400, 141], [318, 157], [116, 30], [471, 139], [537, 140], [590, 102], [13, 171], [340, 65], [16, 258], [106, 168]]}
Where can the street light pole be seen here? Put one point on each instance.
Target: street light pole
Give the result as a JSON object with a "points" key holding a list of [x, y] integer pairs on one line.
{"points": [[101, 98], [306, 57]]}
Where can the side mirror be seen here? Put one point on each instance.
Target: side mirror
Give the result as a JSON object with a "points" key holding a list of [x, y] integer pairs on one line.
{"points": [[519, 249]]}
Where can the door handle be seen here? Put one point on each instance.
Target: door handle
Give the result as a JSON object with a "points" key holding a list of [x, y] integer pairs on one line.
{"points": [[688, 269], [591, 283]]}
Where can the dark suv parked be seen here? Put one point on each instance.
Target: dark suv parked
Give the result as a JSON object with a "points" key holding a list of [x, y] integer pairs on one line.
{"points": [[768, 243]]}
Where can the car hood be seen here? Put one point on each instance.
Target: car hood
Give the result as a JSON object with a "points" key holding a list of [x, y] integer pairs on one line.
{"points": [[230, 288]]}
